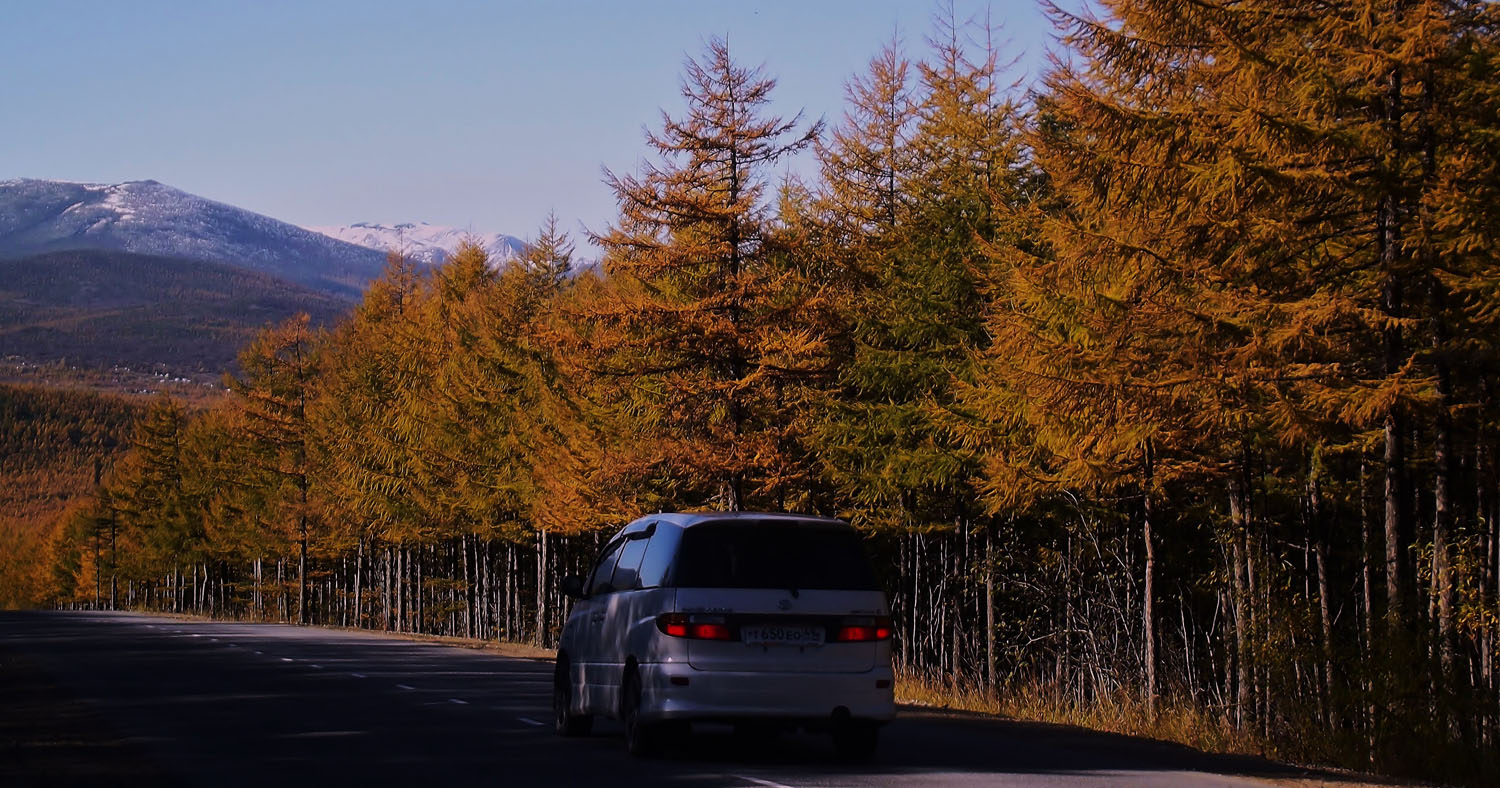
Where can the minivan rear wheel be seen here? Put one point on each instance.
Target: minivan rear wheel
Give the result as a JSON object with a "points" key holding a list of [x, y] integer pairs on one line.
{"points": [[564, 721], [641, 738]]}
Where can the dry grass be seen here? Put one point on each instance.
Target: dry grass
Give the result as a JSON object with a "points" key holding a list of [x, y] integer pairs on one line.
{"points": [[1117, 714], [504, 648], [1128, 715]]}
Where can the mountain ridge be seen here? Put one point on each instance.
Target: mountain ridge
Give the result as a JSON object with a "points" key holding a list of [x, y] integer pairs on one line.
{"points": [[422, 242], [152, 218]]}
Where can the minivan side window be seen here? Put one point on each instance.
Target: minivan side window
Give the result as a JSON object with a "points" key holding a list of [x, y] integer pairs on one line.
{"points": [[627, 569], [599, 583], [657, 562]]}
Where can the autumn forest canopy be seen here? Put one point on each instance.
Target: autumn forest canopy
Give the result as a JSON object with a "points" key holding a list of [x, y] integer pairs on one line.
{"points": [[1166, 386]]}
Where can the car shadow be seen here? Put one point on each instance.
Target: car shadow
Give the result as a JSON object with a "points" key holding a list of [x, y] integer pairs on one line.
{"points": [[928, 741]]}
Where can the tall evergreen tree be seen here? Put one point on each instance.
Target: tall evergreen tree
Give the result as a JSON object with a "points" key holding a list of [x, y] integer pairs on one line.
{"points": [[917, 316], [867, 163], [699, 333], [275, 386], [358, 410]]}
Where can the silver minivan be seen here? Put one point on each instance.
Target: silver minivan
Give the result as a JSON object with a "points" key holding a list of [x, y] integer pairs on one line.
{"points": [[765, 621]]}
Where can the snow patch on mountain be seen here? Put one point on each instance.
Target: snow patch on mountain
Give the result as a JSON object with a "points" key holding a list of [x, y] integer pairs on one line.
{"points": [[147, 217], [423, 242]]}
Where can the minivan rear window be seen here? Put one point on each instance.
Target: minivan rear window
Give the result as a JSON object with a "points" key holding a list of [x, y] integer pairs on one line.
{"points": [[763, 554]]}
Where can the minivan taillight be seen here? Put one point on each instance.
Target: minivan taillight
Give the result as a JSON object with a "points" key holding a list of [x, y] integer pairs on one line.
{"points": [[682, 625], [859, 630]]}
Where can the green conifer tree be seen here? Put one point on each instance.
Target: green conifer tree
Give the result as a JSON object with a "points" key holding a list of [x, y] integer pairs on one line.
{"points": [[700, 335], [275, 385]]}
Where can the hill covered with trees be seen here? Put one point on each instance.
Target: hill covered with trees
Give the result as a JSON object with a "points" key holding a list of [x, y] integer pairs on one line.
{"points": [[1168, 387], [54, 447], [101, 309]]}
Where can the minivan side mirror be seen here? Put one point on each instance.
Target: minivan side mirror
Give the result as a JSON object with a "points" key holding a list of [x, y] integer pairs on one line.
{"points": [[572, 586]]}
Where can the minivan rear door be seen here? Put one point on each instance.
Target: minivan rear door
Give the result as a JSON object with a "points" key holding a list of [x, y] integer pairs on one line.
{"points": [[785, 592]]}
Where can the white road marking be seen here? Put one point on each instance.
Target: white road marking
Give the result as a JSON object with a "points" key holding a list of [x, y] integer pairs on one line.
{"points": [[260, 652], [759, 781], [357, 675], [530, 721], [403, 686], [287, 659], [459, 702], [319, 667]]}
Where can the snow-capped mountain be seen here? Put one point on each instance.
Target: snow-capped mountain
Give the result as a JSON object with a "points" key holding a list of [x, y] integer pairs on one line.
{"points": [[147, 217], [423, 242]]}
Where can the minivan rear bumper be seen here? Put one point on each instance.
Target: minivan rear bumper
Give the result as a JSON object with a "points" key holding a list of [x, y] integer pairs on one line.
{"points": [[733, 695]]}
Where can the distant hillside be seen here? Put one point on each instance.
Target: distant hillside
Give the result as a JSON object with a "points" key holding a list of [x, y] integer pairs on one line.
{"points": [[147, 217], [101, 309], [425, 243]]}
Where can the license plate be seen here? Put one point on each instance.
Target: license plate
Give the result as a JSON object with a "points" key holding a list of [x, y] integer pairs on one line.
{"points": [[779, 635]]}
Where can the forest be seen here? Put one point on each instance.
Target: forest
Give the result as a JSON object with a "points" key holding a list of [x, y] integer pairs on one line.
{"points": [[1166, 386], [54, 446]]}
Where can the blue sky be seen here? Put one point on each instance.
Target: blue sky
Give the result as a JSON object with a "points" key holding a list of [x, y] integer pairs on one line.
{"points": [[483, 115]]}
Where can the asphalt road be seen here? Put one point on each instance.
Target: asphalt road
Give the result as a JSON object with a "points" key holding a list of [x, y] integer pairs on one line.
{"points": [[123, 699]]}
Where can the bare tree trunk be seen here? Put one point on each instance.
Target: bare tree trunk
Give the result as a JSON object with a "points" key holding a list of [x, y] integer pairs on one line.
{"points": [[900, 605], [468, 587], [541, 587], [1442, 460], [1239, 556], [386, 603], [510, 591], [1394, 425], [1325, 618], [919, 652], [98, 575], [1367, 578], [938, 629], [1490, 574], [403, 588], [114, 582], [487, 599], [1148, 602], [957, 664], [302, 562], [989, 607], [1442, 579], [359, 599], [1320, 557]]}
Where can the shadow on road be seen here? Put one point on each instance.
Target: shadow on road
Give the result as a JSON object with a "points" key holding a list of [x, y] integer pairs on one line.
{"points": [[91, 699], [930, 742]]}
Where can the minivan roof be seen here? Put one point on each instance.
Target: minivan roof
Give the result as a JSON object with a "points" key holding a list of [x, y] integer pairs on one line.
{"points": [[689, 519]]}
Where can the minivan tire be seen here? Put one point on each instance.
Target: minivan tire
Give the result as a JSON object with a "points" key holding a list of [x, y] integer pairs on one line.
{"points": [[563, 720], [642, 738]]}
